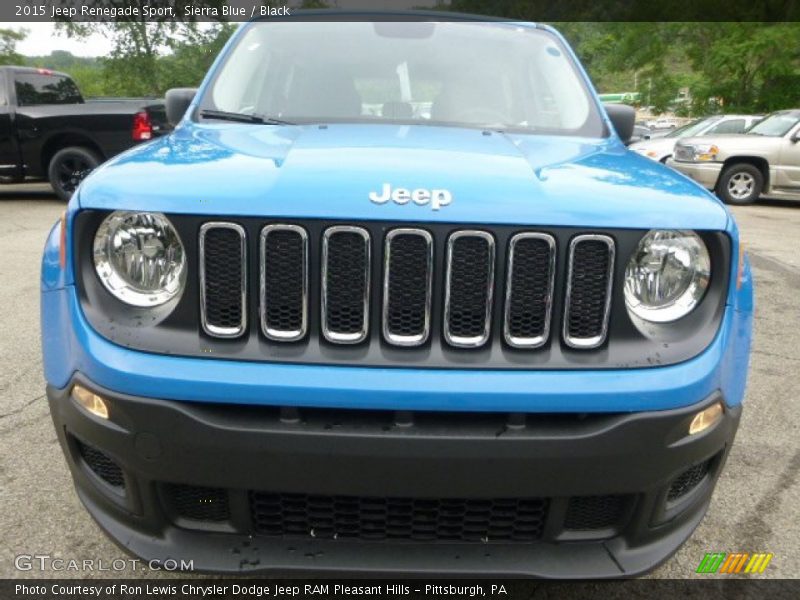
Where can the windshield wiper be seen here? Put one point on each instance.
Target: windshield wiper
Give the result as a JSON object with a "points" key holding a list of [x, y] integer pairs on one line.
{"points": [[242, 118]]}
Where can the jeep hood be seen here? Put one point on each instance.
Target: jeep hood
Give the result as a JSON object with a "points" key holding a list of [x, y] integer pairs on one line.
{"points": [[328, 171]]}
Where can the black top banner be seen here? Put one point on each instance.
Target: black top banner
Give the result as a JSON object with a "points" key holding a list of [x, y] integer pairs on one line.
{"points": [[528, 10]]}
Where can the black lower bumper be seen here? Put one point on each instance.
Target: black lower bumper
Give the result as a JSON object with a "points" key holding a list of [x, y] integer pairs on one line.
{"points": [[252, 489]]}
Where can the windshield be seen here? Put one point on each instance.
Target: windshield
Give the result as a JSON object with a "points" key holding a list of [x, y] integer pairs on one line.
{"points": [[485, 75], [776, 125], [693, 128]]}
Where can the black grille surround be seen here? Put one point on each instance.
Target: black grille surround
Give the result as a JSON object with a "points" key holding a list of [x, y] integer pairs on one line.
{"points": [[177, 331]]}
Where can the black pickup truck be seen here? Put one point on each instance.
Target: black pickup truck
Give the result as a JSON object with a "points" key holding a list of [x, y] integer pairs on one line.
{"points": [[49, 132]]}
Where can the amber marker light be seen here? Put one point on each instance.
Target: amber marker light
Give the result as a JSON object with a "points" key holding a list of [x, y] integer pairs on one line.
{"points": [[90, 401], [706, 418]]}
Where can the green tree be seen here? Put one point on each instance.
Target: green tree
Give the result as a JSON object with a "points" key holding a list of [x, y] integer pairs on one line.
{"points": [[132, 67], [8, 46], [745, 67], [192, 55]]}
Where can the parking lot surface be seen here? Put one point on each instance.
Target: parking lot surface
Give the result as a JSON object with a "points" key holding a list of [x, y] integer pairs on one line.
{"points": [[754, 509]]}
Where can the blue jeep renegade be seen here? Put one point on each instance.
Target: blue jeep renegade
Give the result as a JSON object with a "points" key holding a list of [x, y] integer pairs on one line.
{"points": [[394, 297]]}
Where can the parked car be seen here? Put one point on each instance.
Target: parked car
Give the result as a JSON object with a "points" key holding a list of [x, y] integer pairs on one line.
{"points": [[640, 133], [740, 168], [491, 341], [48, 132], [665, 123], [660, 149]]}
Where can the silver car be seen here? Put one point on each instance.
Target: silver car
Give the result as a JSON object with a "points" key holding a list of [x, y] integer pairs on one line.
{"points": [[739, 168], [660, 149]]}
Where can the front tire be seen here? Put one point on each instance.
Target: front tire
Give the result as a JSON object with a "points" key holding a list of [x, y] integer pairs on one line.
{"points": [[69, 167], [740, 184]]}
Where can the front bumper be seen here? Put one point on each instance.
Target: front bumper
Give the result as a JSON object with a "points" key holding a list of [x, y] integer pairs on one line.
{"points": [[601, 482], [706, 174]]}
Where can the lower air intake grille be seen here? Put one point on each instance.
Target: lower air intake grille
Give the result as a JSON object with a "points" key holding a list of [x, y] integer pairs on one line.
{"points": [[591, 264], [470, 279], [594, 512], [419, 519], [345, 284], [223, 279], [198, 503], [101, 464], [688, 480]]}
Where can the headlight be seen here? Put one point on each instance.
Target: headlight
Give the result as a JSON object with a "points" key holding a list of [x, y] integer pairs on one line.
{"points": [[703, 152], [667, 275], [139, 258]]}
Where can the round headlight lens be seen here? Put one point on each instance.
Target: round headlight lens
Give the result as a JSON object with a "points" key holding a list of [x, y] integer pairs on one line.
{"points": [[139, 258], [667, 275]]}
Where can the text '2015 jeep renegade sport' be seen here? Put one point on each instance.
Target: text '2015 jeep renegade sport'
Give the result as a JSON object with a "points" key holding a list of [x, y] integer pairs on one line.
{"points": [[395, 298]]}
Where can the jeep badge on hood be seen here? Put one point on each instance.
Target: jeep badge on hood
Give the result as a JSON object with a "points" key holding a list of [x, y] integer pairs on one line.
{"points": [[420, 196]]}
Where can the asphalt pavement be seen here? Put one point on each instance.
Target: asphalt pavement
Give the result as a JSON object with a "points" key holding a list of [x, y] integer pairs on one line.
{"points": [[754, 508]]}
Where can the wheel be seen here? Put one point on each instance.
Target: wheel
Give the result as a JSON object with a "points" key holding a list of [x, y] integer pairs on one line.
{"points": [[664, 160], [69, 167], [740, 184]]}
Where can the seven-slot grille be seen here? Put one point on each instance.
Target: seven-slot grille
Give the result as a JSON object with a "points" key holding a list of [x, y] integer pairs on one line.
{"points": [[407, 280]]}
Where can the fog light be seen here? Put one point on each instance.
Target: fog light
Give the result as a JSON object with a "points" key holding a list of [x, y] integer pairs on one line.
{"points": [[706, 418], [90, 401]]}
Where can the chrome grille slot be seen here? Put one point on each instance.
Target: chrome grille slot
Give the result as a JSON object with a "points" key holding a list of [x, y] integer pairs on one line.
{"points": [[407, 284], [589, 283], [345, 284], [469, 284], [529, 289], [284, 282], [223, 279]]}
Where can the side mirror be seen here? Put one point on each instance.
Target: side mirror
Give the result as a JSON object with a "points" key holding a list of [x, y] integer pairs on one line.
{"points": [[177, 101], [623, 117]]}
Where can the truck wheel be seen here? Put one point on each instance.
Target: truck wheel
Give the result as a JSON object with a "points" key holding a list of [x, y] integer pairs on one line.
{"points": [[740, 184], [69, 167]]}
